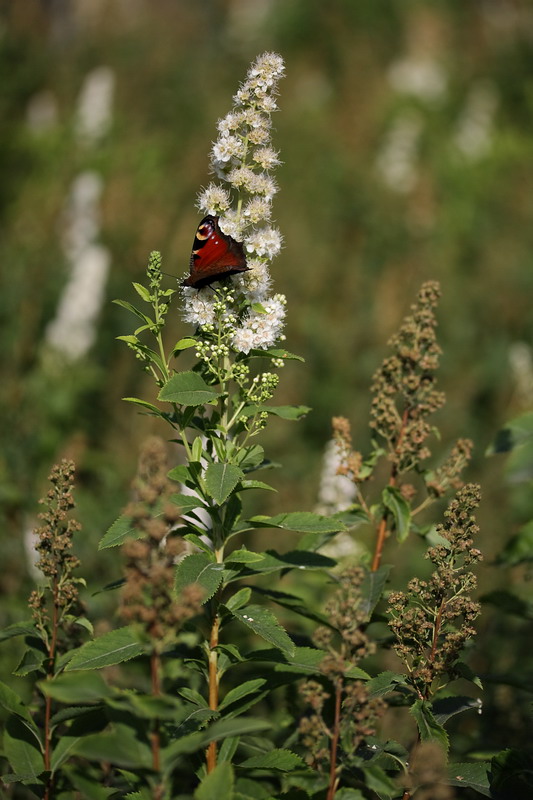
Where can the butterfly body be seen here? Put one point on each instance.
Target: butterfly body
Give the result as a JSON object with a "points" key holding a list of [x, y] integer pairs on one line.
{"points": [[215, 255]]}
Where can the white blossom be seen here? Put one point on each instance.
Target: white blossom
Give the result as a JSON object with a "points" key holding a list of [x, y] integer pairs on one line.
{"points": [[199, 307], [227, 148], [421, 77], [214, 199], [397, 161], [474, 131], [264, 242], [261, 329]]}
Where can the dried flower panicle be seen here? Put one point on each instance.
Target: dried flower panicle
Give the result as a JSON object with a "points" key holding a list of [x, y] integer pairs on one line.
{"points": [[448, 475], [432, 621], [56, 561], [359, 713], [147, 596], [404, 393], [242, 157]]}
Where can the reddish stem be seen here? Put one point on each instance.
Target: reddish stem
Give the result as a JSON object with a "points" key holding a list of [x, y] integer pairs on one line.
{"points": [[382, 530], [213, 688], [155, 668], [48, 700], [333, 778]]}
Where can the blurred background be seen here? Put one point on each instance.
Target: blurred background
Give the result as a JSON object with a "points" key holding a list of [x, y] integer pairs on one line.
{"points": [[405, 132]]}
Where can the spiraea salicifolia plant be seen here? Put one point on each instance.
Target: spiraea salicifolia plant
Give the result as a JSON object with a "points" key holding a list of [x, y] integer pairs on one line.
{"points": [[196, 712], [33, 732], [432, 621], [186, 597]]}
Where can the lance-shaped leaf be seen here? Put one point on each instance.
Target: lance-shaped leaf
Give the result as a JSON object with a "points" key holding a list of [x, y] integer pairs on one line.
{"points": [[218, 783], [372, 588], [448, 707], [296, 559], [385, 683], [244, 689], [277, 759], [22, 749], [112, 648], [221, 480], [400, 509], [428, 727], [475, 776], [275, 352], [302, 521], [187, 389], [75, 688], [264, 623], [284, 412], [198, 568]]}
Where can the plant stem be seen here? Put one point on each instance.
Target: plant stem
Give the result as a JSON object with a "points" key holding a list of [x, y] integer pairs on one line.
{"points": [[213, 687], [155, 673], [48, 700], [333, 777], [382, 530]]}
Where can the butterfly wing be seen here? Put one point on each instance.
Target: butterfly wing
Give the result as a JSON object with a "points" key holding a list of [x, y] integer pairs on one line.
{"points": [[215, 255]]}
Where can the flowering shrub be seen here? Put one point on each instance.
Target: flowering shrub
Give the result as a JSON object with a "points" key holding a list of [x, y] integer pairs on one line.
{"points": [[196, 598]]}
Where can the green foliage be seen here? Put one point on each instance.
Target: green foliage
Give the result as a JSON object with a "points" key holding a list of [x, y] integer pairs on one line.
{"points": [[91, 719]]}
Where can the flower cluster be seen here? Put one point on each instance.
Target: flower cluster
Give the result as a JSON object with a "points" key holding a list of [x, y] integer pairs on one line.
{"points": [[242, 158], [433, 619], [147, 596], [358, 713], [403, 388], [54, 546]]}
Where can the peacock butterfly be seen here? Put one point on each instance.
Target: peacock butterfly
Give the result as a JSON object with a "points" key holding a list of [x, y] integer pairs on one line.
{"points": [[215, 255]]}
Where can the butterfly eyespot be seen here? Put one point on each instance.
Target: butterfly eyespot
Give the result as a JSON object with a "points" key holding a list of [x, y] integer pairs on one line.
{"points": [[215, 255]]}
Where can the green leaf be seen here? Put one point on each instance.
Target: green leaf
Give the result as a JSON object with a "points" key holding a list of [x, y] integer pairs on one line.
{"points": [[277, 759], [466, 672], [221, 480], [243, 556], [187, 389], [142, 291], [379, 782], [82, 726], [294, 603], [181, 473], [200, 569], [21, 748], [448, 707], [144, 404], [184, 344], [120, 745], [18, 629], [31, 661], [302, 521], [244, 689], [275, 352], [264, 623], [517, 431], [284, 412], [304, 661], [357, 674], [221, 729], [121, 529], [270, 561], [249, 484], [400, 509], [239, 599], [130, 307], [372, 588], [10, 700], [511, 774], [428, 727], [186, 502], [218, 783], [474, 776], [76, 688], [250, 458], [112, 648], [385, 683]]}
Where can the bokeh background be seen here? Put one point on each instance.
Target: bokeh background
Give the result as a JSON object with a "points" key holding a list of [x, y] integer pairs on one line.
{"points": [[406, 134]]}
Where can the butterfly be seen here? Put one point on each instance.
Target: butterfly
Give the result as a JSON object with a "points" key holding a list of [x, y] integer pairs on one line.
{"points": [[215, 255]]}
